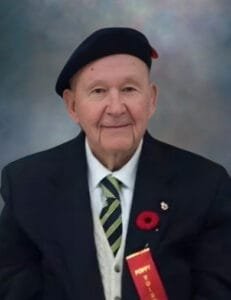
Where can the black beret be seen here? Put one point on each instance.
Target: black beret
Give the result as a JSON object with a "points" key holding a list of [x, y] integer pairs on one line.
{"points": [[103, 42]]}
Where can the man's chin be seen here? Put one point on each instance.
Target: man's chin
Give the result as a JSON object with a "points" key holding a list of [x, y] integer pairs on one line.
{"points": [[118, 147]]}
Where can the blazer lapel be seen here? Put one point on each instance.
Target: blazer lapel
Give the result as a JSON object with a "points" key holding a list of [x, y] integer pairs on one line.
{"points": [[73, 225], [151, 189]]}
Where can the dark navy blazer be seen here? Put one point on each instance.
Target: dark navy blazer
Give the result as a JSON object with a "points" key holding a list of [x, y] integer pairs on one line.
{"points": [[47, 249]]}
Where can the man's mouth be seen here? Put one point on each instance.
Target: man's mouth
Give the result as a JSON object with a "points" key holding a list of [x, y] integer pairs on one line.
{"points": [[116, 126]]}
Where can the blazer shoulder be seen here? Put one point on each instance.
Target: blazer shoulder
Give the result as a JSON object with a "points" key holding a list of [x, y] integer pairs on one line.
{"points": [[45, 160], [184, 160]]}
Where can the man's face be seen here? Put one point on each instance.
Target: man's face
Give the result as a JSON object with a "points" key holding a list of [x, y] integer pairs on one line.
{"points": [[112, 100]]}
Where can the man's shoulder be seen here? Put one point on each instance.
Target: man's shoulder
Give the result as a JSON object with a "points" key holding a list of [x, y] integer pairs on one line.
{"points": [[183, 160], [47, 158]]}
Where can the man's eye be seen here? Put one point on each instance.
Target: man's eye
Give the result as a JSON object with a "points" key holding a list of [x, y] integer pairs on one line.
{"points": [[98, 91], [129, 89]]}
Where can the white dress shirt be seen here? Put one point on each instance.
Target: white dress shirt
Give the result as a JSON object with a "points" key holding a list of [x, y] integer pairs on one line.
{"points": [[110, 266]]}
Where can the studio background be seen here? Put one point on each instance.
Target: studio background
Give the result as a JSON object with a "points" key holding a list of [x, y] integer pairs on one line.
{"points": [[193, 39]]}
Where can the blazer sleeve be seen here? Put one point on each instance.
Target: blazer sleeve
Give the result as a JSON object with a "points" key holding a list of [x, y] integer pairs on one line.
{"points": [[20, 275], [211, 269]]}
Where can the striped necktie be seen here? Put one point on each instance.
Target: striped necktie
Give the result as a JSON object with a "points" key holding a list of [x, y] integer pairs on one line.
{"points": [[110, 215]]}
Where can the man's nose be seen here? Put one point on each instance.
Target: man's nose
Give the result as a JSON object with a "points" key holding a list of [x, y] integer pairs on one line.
{"points": [[116, 105]]}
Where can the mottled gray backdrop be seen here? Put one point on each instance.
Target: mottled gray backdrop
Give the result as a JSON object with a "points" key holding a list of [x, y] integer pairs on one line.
{"points": [[193, 72]]}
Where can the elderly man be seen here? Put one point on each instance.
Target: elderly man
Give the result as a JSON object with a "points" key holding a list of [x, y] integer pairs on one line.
{"points": [[114, 213]]}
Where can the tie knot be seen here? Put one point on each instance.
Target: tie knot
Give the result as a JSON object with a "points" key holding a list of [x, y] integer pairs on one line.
{"points": [[111, 187]]}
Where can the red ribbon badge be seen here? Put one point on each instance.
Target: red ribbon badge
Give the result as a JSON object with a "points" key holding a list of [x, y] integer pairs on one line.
{"points": [[145, 276]]}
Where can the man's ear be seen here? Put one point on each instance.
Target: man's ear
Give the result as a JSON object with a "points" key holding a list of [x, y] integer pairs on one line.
{"points": [[153, 99], [70, 103]]}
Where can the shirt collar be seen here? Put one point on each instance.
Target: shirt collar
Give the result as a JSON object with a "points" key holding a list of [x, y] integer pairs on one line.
{"points": [[96, 171]]}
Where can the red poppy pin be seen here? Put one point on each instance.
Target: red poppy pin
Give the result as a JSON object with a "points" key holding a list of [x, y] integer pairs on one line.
{"points": [[147, 220]]}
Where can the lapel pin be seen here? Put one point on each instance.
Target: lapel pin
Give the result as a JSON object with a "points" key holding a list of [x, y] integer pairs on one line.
{"points": [[164, 205], [147, 220]]}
